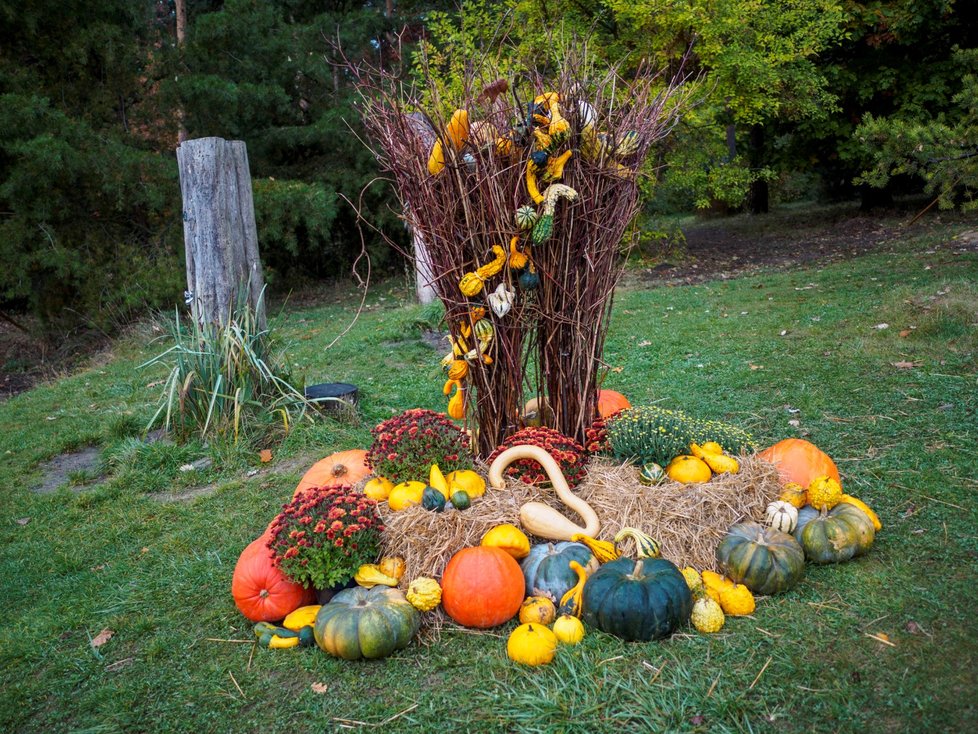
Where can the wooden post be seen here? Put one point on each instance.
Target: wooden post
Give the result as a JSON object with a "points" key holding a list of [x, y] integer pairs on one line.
{"points": [[219, 230], [423, 275]]}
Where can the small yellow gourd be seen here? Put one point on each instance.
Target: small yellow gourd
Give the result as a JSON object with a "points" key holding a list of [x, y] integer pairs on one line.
{"points": [[404, 495], [538, 609], [714, 584], [737, 601], [688, 470], [393, 566], [458, 369], [693, 579], [378, 488], [707, 615], [602, 549], [531, 644], [721, 463], [301, 617], [877, 525], [568, 630], [369, 575], [424, 593], [571, 601], [795, 495], [437, 480], [467, 481], [509, 538], [824, 493]]}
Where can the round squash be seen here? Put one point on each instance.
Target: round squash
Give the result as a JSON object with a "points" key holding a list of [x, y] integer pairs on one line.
{"points": [[782, 516], [637, 600], [509, 538], [824, 493], [651, 474], [838, 534], [343, 467], [805, 515], [568, 630], [424, 594], [800, 461], [378, 488], [765, 560], [547, 571], [366, 623], [482, 587], [610, 402], [707, 615], [261, 591], [688, 470], [460, 500], [538, 609], [405, 494], [468, 481], [531, 644]]}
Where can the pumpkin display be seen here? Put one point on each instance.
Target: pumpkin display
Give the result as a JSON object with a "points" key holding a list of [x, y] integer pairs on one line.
{"points": [[405, 495], [707, 616], [366, 623], [509, 538], [782, 516], [568, 630], [805, 515], [800, 461], [378, 488], [482, 587], [531, 644], [795, 495], [688, 470], [838, 534], [637, 600], [341, 468], [424, 593], [537, 609], [765, 560], [610, 402], [547, 571], [877, 525], [261, 591], [824, 493]]}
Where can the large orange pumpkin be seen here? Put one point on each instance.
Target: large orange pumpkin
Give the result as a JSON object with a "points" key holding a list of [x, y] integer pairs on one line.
{"points": [[343, 467], [262, 592], [482, 587], [610, 402], [800, 461]]}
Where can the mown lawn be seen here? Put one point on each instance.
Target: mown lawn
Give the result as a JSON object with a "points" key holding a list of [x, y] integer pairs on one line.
{"points": [[761, 351]]}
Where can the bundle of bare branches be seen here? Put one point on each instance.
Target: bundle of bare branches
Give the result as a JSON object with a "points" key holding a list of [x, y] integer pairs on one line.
{"points": [[564, 152]]}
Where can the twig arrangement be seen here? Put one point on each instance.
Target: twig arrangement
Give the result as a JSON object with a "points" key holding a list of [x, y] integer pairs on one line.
{"points": [[523, 196]]}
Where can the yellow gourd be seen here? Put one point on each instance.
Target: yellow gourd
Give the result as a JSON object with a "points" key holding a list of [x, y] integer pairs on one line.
{"points": [[531, 644], [538, 609], [467, 481], [688, 470], [865, 508], [424, 593], [602, 549], [378, 488], [404, 495], [707, 616], [282, 643], [571, 601], [693, 579], [301, 617], [458, 129], [824, 493], [437, 480], [737, 600], [721, 463], [568, 630], [393, 566], [369, 575], [795, 495], [714, 584], [508, 538], [458, 369], [436, 160]]}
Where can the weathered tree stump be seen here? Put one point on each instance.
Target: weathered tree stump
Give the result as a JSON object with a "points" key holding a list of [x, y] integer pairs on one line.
{"points": [[220, 236]]}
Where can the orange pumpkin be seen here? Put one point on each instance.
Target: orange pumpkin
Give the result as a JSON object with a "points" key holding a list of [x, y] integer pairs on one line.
{"points": [[482, 587], [800, 461], [610, 402], [262, 592], [343, 467]]}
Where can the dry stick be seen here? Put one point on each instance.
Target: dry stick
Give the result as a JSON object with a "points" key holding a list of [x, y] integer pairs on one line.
{"points": [[754, 683], [237, 686]]}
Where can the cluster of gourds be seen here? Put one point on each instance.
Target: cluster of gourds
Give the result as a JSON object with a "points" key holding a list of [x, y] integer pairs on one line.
{"points": [[456, 489], [544, 136], [702, 462]]}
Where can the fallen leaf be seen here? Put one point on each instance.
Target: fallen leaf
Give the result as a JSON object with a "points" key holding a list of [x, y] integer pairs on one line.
{"points": [[794, 422], [22, 520], [644, 343], [319, 687], [144, 550], [757, 366], [102, 637], [904, 333], [265, 455], [617, 369], [99, 567], [902, 365], [784, 332], [882, 326]]}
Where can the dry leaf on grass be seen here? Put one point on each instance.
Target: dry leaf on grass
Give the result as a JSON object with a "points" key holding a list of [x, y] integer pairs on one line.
{"points": [[102, 637], [22, 520], [265, 455], [902, 365], [319, 687]]}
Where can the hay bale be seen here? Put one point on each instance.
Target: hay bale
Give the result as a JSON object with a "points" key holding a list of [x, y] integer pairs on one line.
{"points": [[688, 520]]}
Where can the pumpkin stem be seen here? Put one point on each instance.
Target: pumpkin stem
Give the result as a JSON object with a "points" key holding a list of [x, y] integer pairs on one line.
{"points": [[263, 593], [638, 568], [339, 470]]}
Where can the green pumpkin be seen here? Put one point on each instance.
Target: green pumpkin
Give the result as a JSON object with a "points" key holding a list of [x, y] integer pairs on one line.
{"points": [[651, 474], [805, 515], [637, 600], [835, 536], [366, 623], [526, 217], [761, 558], [461, 500], [547, 570], [432, 499]]}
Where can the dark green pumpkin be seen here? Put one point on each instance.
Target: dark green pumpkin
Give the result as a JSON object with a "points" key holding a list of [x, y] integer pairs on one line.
{"points": [[461, 500], [637, 600], [763, 559], [835, 536], [432, 499], [547, 568], [366, 623], [805, 515]]}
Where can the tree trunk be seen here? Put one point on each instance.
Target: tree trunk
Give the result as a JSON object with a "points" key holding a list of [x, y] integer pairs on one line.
{"points": [[758, 196], [220, 237], [181, 13]]}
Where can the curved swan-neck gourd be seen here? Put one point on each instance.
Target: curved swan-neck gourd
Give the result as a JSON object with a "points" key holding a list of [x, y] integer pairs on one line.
{"points": [[540, 519]]}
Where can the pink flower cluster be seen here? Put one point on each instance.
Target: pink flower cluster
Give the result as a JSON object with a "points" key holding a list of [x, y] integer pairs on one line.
{"points": [[406, 445]]}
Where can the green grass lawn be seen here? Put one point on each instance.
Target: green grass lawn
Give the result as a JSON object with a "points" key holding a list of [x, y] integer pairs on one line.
{"points": [[760, 351]]}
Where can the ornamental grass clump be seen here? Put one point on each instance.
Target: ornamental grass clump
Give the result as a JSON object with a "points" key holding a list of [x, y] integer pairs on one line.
{"points": [[405, 446], [324, 535], [653, 434], [568, 453]]}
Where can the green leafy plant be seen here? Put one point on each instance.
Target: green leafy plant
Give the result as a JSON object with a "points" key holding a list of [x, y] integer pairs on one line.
{"points": [[406, 445], [226, 380], [324, 535], [651, 433]]}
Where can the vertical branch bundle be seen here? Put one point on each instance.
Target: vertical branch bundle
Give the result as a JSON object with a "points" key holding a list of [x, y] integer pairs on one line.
{"points": [[551, 340]]}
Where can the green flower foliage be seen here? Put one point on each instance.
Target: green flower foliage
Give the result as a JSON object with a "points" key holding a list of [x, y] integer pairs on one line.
{"points": [[652, 434]]}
